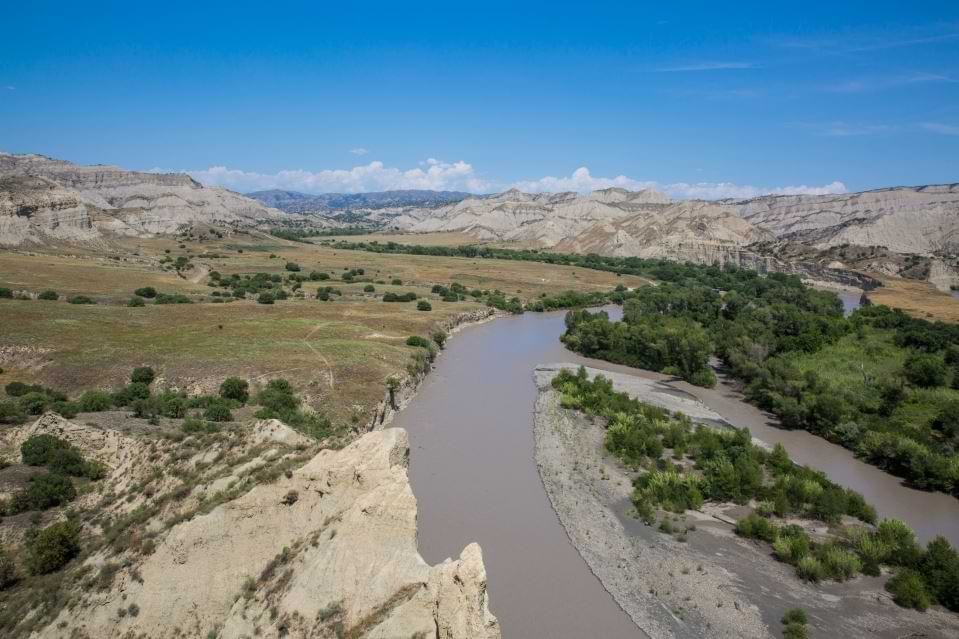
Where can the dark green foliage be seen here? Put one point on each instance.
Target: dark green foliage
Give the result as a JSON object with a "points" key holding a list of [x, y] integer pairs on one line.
{"points": [[136, 302], [53, 547], [128, 394], [278, 401], [35, 403], [12, 413], [396, 281], [48, 295], [925, 370], [80, 299], [172, 298], [44, 491], [18, 389], [570, 299], [37, 450], [8, 570], [142, 375], [795, 631], [795, 615], [191, 425], [65, 409], [423, 305], [755, 527], [218, 412], [95, 401], [318, 275], [440, 337], [236, 389], [399, 297], [147, 291], [369, 288], [292, 266], [6, 293], [939, 568], [416, 340], [265, 298], [908, 589]]}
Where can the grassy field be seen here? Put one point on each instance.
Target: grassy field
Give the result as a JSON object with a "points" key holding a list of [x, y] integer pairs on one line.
{"points": [[919, 299], [337, 353]]}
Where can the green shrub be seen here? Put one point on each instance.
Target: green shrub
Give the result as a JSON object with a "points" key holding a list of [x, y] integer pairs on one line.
{"points": [[192, 425], [369, 288], [38, 450], [809, 569], [940, 572], [399, 297], [837, 563], [795, 631], [95, 401], [142, 375], [396, 282], [172, 298], [236, 389], [80, 299], [218, 412], [755, 527], [795, 615], [52, 548], [44, 491], [908, 590], [292, 267], [19, 389], [12, 413], [65, 409], [147, 291], [6, 293], [423, 305], [925, 370], [8, 570], [416, 340], [130, 393], [265, 298], [34, 403], [136, 302], [440, 337], [319, 276], [49, 295]]}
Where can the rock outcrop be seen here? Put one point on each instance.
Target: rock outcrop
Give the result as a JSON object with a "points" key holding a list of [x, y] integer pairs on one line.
{"points": [[328, 550], [43, 200]]}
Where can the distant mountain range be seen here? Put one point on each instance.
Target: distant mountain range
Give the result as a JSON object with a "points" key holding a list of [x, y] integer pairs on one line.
{"points": [[295, 202], [909, 231]]}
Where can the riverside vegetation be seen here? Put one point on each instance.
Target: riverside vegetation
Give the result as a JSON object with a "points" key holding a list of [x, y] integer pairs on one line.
{"points": [[680, 466], [879, 382]]}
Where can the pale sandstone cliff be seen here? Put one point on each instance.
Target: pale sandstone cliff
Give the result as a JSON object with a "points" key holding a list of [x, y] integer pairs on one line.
{"points": [[324, 550], [42, 199]]}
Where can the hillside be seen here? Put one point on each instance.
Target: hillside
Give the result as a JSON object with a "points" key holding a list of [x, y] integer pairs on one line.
{"points": [[327, 203], [44, 200]]}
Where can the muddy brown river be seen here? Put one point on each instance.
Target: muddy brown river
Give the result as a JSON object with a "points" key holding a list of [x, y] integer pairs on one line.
{"points": [[474, 477]]}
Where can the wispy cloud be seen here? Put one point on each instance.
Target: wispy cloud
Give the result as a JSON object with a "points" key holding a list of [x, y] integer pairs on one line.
{"points": [[582, 181], [841, 129], [10, 87], [871, 40], [939, 127], [706, 66], [359, 151], [879, 83]]}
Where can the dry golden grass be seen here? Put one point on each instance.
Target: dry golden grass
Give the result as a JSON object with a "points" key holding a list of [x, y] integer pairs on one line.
{"points": [[338, 353], [919, 299]]}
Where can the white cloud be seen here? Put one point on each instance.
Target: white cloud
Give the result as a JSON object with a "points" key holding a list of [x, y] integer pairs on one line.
{"points": [[436, 175], [939, 127], [431, 174], [359, 151], [582, 181], [10, 87]]}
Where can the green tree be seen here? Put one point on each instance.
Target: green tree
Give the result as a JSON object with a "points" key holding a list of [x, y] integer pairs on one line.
{"points": [[925, 370], [142, 375]]}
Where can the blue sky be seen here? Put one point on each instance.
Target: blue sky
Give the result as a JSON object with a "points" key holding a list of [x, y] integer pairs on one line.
{"points": [[697, 99]]}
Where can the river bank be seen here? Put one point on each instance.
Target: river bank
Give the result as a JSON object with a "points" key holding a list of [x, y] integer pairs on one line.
{"points": [[711, 584]]}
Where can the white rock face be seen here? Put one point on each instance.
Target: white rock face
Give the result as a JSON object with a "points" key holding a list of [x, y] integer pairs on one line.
{"points": [[43, 199], [328, 551], [922, 219]]}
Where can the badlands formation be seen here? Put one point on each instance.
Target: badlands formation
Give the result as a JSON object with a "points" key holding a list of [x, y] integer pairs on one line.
{"points": [[44, 200], [327, 549]]}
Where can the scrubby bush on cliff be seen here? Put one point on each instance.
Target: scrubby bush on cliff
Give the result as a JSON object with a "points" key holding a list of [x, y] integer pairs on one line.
{"points": [[236, 389], [439, 336], [218, 412], [12, 413], [142, 375], [44, 491], [908, 589], [53, 547], [8, 570], [93, 401]]}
